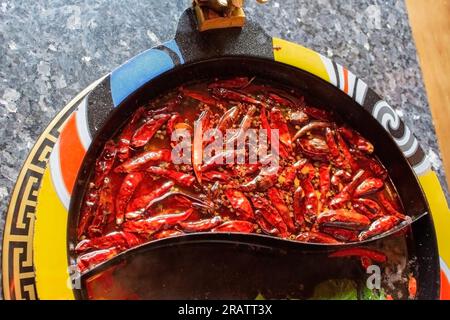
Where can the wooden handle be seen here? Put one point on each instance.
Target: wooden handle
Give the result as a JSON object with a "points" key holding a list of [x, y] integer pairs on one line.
{"points": [[220, 14]]}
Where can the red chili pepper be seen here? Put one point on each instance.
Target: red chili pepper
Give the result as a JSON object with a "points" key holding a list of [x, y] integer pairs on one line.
{"points": [[366, 262], [278, 121], [356, 140], [141, 203], [265, 122], [270, 213], [88, 210], [234, 83], [172, 122], [276, 197], [299, 213], [105, 162], [412, 287], [202, 124], [141, 160], [123, 145], [235, 226], [167, 234], [200, 96], [127, 188], [374, 255], [324, 182], [181, 178], [153, 224], [200, 225], [216, 175], [146, 132], [344, 235], [317, 113], [240, 203], [234, 96], [317, 237]]}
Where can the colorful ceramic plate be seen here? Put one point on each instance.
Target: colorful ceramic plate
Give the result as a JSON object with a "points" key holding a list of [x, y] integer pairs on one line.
{"points": [[35, 262]]}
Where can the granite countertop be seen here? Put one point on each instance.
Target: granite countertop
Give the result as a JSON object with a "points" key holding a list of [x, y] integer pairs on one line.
{"points": [[51, 50]]}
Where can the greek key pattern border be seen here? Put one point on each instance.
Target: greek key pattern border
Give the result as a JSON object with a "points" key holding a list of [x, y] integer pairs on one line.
{"points": [[17, 256]]}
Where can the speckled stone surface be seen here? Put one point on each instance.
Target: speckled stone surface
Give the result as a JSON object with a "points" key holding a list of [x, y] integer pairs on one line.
{"points": [[51, 50]]}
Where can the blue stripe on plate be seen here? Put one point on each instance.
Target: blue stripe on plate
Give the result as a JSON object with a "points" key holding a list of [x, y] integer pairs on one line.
{"points": [[172, 44], [139, 70]]}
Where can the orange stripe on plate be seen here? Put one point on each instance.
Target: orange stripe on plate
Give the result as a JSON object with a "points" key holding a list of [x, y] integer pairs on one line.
{"points": [[71, 153], [445, 287], [345, 71]]}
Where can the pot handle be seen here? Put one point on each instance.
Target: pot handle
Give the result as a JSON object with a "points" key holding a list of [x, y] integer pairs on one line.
{"points": [[220, 14], [251, 40], [189, 46]]}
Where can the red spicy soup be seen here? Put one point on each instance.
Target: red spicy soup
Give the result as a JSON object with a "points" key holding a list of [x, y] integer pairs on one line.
{"points": [[326, 187]]}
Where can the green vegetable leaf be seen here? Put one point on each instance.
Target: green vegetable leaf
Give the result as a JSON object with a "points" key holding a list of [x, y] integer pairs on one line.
{"points": [[260, 297], [339, 289], [368, 294]]}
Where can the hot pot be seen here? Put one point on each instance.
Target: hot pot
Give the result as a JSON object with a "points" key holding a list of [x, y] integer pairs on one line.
{"points": [[249, 52]]}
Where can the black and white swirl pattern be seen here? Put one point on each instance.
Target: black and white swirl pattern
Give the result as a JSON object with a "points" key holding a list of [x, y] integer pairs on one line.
{"points": [[402, 136]]}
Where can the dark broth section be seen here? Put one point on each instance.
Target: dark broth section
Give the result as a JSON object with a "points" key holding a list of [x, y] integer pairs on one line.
{"points": [[225, 269]]}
